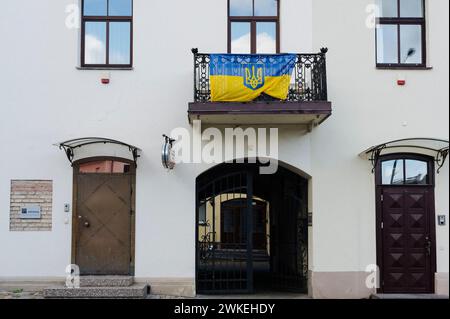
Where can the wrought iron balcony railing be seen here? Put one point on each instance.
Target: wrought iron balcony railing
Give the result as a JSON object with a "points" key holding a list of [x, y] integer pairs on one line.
{"points": [[308, 82]]}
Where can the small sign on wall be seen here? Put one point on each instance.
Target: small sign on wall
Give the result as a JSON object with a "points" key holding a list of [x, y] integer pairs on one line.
{"points": [[30, 212], [31, 205]]}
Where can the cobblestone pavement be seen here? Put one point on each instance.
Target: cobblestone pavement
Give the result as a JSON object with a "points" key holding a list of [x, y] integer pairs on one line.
{"points": [[19, 294]]}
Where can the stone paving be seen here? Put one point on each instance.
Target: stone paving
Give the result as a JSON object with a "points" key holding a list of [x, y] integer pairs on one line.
{"points": [[20, 294]]}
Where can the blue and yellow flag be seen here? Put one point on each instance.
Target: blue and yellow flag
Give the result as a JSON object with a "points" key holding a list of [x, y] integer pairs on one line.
{"points": [[243, 77]]}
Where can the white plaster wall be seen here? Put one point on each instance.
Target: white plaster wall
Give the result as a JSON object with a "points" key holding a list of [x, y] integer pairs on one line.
{"points": [[369, 108], [44, 99]]}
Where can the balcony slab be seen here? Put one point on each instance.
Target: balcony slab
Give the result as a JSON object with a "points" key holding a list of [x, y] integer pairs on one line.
{"points": [[260, 113]]}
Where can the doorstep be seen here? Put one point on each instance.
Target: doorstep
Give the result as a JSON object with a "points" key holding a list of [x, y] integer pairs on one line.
{"points": [[100, 287]]}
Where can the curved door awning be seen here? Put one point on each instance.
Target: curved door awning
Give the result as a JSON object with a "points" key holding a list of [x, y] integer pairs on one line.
{"points": [[436, 148], [90, 147]]}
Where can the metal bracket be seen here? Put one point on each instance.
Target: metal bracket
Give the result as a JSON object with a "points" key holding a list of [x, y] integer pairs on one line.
{"points": [[69, 153], [375, 156], [135, 152], [441, 157]]}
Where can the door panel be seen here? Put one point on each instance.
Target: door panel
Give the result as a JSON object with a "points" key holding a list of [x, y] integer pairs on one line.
{"points": [[406, 240], [103, 241]]}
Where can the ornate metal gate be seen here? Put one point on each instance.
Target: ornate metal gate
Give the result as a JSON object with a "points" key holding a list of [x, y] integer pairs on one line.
{"points": [[289, 241], [236, 209], [224, 266]]}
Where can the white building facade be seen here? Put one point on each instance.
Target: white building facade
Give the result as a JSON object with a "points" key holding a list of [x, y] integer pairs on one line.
{"points": [[128, 75]]}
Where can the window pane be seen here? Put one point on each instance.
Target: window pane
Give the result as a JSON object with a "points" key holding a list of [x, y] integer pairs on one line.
{"points": [[95, 43], [119, 43], [266, 7], [411, 44], [120, 8], [266, 35], [202, 214], [416, 172], [388, 8], [392, 172], [240, 37], [95, 7], [241, 7], [387, 39], [104, 167], [411, 8]]}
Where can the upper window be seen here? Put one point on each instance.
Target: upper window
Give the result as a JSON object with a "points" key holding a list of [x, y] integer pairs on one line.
{"points": [[405, 172], [253, 26], [400, 34], [107, 33], [104, 167]]}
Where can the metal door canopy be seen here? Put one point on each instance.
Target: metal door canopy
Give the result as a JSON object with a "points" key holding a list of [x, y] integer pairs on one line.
{"points": [[436, 148], [90, 147]]}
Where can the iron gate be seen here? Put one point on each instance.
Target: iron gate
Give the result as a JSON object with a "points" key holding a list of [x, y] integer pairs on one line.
{"points": [[231, 252], [223, 267], [289, 262]]}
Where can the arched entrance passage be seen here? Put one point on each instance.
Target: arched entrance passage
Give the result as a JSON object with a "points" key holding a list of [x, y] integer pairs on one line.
{"points": [[252, 230]]}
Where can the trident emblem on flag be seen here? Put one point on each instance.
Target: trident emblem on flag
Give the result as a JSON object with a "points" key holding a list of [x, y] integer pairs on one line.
{"points": [[254, 76]]}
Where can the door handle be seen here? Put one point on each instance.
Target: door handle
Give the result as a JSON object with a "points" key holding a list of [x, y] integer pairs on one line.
{"points": [[86, 223], [428, 245]]}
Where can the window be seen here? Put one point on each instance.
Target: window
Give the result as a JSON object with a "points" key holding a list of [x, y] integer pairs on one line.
{"points": [[405, 172], [253, 26], [202, 214], [105, 167], [400, 33], [107, 33]]}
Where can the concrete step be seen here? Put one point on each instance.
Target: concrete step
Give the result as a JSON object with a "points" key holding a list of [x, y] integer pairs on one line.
{"points": [[408, 296], [135, 291], [106, 281]]}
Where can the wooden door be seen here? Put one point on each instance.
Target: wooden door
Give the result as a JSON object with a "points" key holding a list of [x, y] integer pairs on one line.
{"points": [[406, 234], [103, 223], [233, 223]]}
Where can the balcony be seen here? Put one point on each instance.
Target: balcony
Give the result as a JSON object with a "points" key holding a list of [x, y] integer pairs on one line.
{"points": [[306, 104]]}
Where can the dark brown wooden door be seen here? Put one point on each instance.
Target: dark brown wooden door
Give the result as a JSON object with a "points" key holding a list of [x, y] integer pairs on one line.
{"points": [[407, 242], [103, 223], [233, 225]]}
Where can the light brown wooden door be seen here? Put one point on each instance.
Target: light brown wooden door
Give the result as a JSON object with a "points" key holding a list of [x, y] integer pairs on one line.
{"points": [[103, 223]]}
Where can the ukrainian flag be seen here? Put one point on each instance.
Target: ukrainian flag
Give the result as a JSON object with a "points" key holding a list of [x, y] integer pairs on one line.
{"points": [[243, 77]]}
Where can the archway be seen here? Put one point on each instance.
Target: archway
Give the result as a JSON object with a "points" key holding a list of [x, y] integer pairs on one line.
{"points": [[252, 230]]}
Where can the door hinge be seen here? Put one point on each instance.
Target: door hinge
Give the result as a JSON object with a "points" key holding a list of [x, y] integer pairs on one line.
{"points": [[382, 225], [382, 197]]}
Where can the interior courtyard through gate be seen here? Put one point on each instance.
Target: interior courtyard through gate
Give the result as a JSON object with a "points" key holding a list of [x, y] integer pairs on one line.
{"points": [[252, 230]]}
